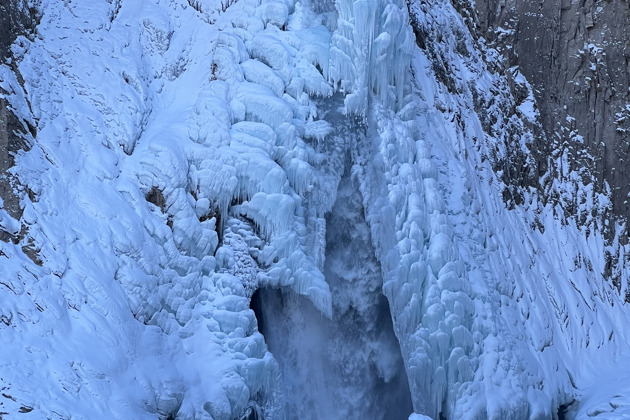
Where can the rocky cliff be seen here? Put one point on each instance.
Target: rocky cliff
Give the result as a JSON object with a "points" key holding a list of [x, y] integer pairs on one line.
{"points": [[576, 54], [16, 19]]}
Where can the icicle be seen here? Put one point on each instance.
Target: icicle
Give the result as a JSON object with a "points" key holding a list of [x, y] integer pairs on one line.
{"points": [[370, 53]]}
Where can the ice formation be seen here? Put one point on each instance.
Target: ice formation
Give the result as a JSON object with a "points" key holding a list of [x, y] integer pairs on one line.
{"points": [[189, 155], [370, 53]]}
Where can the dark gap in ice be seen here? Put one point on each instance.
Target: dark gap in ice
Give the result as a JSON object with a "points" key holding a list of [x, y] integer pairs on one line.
{"points": [[252, 413], [350, 366], [156, 197], [568, 410], [255, 304]]}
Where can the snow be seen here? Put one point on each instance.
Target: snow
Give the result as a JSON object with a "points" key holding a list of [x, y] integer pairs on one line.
{"points": [[607, 397], [7, 223], [416, 416]]}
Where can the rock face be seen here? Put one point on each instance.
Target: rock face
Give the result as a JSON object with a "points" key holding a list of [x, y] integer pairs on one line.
{"points": [[15, 19], [12, 19], [576, 54]]}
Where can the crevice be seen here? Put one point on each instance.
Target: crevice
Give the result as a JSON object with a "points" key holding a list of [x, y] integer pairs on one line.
{"points": [[156, 197], [256, 304], [253, 412]]}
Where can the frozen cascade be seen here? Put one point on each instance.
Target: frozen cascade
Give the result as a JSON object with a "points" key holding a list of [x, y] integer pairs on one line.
{"points": [[350, 366], [486, 320]]}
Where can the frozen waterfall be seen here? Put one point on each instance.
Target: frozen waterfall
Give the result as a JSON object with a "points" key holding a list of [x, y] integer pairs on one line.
{"points": [[288, 209]]}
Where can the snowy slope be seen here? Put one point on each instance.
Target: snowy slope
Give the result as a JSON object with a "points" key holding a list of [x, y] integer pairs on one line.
{"points": [[187, 154]]}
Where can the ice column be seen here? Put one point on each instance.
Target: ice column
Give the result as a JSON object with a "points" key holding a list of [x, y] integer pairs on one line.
{"points": [[370, 52]]}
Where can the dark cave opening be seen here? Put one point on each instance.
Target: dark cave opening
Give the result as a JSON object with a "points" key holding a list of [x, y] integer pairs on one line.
{"points": [[256, 305], [568, 410]]}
